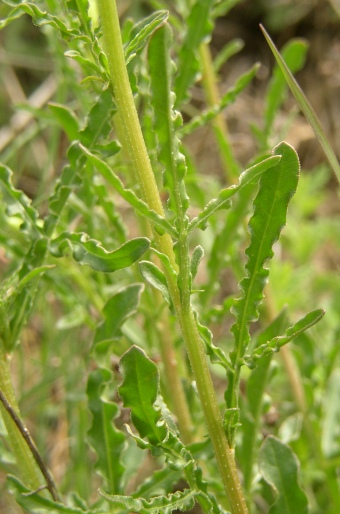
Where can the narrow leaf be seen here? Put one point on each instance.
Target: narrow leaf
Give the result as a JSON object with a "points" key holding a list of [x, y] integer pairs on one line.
{"points": [[140, 206], [67, 119], [197, 256], [180, 501], [142, 32], [89, 251], [106, 440], [98, 122], [305, 107], [279, 467], [277, 342], [166, 119]]}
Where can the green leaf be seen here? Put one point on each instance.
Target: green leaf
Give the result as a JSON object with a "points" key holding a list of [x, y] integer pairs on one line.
{"points": [[67, 119], [277, 186], [231, 48], [139, 206], [197, 256], [279, 467], [106, 440], [277, 342], [32, 501], [199, 28], [18, 204], [223, 199], [142, 32], [227, 99], [119, 307], [154, 276], [139, 392], [166, 120], [305, 107], [89, 251], [180, 501], [98, 122]]}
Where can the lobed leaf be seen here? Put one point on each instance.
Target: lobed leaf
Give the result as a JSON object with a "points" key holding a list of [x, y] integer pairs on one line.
{"points": [[105, 439], [180, 501], [277, 342], [166, 120], [305, 107], [277, 186], [139, 205], [89, 251], [279, 467]]}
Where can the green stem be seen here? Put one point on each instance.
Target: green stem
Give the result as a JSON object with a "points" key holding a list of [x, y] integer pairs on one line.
{"points": [[135, 146], [219, 123]]}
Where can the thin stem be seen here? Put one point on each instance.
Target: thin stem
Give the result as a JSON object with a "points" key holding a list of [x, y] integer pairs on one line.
{"points": [[135, 146], [219, 123], [31, 445]]}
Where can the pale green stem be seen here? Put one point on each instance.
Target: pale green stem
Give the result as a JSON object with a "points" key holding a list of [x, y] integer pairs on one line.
{"points": [[219, 123], [135, 146]]}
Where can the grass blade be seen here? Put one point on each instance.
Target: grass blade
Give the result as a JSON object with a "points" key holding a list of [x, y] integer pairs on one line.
{"points": [[305, 107]]}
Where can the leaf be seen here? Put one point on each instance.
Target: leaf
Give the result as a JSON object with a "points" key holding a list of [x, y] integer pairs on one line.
{"points": [[277, 342], [98, 122], [199, 28], [139, 392], [32, 501], [106, 440], [180, 501], [223, 199], [67, 119], [227, 99], [305, 107], [166, 120], [139, 205], [277, 186], [119, 307], [154, 276], [279, 467], [89, 251], [197, 256], [231, 48], [142, 32], [18, 204]]}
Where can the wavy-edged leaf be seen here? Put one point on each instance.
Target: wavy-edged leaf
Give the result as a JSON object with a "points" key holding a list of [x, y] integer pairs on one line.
{"points": [[105, 439], [139, 392], [37, 504], [279, 467], [155, 277], [277, 342], [139, 205], [142, 32], [277, 186], [181, 500], [199, 26], [223, 199], [117, 309], [89, 251], [305, 107], [66, 118], [227, 99], [18, 204], [166, 120]]}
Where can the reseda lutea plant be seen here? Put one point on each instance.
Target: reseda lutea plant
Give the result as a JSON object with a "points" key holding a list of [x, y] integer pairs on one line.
{"points": [[179, 422]]}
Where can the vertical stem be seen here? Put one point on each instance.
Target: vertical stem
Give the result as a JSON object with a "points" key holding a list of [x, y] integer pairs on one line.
{"points": [[135, 146], [219, 123]]}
